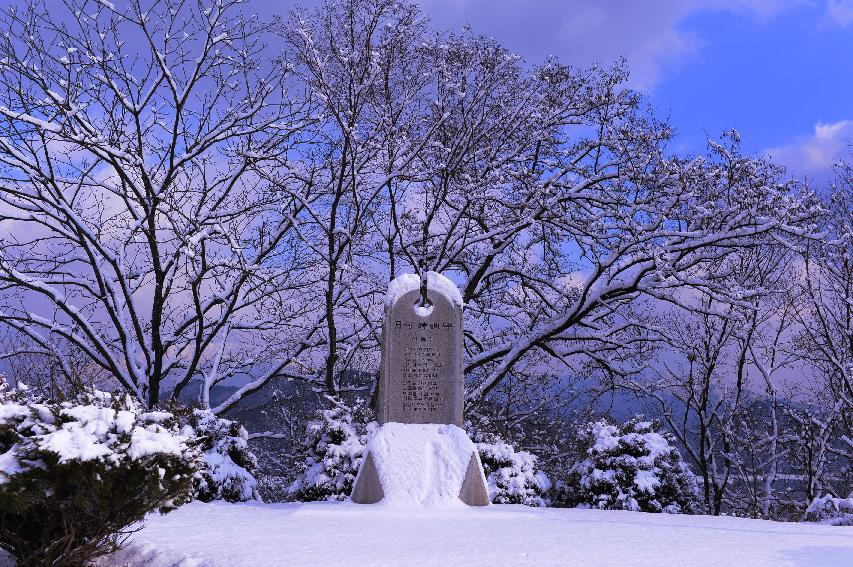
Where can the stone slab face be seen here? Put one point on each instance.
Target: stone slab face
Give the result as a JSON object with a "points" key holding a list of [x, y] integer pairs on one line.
{"points": [[420, 380]]}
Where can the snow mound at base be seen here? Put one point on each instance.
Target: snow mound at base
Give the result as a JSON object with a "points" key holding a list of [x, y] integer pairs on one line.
{"points": [[421, 465]]}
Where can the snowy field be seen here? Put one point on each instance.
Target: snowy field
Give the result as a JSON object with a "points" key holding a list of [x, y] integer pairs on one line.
{"points": [[255, 535]]}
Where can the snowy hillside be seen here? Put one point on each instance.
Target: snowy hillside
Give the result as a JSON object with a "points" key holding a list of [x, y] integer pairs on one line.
{"points": [[255, 535]]}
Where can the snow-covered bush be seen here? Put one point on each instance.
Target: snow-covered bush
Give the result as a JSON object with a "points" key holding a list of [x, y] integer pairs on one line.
{"points": [[334, 447], [75, 474], [512, 475], [630, 467], [226, 466], [831, 510]]}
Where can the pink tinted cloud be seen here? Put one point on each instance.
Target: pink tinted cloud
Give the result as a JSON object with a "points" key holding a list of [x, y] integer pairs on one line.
{"points": [[650, 35], [816, 154], [840, 11]]}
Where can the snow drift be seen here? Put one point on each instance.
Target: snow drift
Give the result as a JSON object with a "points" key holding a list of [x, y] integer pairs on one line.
{"points": [[421, 465]]}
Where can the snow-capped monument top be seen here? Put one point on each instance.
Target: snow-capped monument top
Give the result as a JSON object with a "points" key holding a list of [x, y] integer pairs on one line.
{"points": [[436, 282]]}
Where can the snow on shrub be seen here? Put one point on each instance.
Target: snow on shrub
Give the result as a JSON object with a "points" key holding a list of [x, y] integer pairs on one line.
{"points": [[831, 510], [226, 466], [75, 474], [631, 467], [512, 475], [334, 446]]}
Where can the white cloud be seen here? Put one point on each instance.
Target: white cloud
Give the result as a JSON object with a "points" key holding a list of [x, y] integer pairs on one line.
{"points": [[816, 154], [840, 11], [650, 34]]}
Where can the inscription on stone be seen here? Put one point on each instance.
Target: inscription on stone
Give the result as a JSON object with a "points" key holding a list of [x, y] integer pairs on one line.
{"points": [[421, 375]]}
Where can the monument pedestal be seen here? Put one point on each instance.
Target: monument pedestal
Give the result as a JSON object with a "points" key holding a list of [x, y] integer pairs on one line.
{"points": [[426, 465]]}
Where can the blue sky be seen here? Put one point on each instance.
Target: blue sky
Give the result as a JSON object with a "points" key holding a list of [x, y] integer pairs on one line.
{"points": [[786, 82], [780, 71]]}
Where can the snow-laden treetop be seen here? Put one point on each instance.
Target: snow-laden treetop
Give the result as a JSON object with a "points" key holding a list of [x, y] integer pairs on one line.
{"points": [[405, 283]]}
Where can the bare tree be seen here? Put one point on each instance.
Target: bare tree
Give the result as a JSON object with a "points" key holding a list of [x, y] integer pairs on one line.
{"points": [[546, 192], [696, 394], [819, 451], [179, 214], [826, 334], [136, 225], [359, 67], [26, 364], [715, 379], [766, 353]]}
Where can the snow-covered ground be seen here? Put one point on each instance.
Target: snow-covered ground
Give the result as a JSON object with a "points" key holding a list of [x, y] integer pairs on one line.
{"points": [[255, 535]]}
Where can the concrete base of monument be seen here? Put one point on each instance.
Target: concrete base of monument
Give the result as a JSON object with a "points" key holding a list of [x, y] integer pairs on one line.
{"points": [[421, 465]]}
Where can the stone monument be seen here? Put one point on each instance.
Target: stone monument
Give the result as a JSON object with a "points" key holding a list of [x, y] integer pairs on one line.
{"points": [[420, 380], [421, 387]]}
